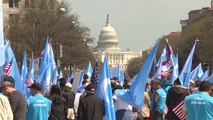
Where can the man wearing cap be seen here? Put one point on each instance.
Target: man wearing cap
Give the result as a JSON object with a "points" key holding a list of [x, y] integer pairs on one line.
{"points": [[90, 107], [38, 106], [69, 97], [16, 98]]}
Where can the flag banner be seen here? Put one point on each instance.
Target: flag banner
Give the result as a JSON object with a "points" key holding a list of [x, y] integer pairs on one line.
{"points": [[175, 71], [210, 79], [196, 73], [89, 70], [116, 72], [75, 84], [2, 60], [178, 111], [167, 57], [24, 73], [70, 77], [94, 78], [8, 68], [9, 56], [165, 62], [54, 69], [104, 91], [135, 95], [45, 61], [60, 74], [205, 75], [184, 76]]}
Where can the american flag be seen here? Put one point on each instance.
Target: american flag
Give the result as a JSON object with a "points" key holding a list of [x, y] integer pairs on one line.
{"points": [[178, 111], [94, 77], [8, 68]]}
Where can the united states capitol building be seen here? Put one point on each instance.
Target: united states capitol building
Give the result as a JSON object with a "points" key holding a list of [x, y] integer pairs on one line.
{"points": [[108, 45]]}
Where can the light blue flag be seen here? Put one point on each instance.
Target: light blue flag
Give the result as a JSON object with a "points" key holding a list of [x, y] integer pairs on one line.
{"points": [[121, 78], [30, 78], [184, 76], [158, 70], [89, 70], [210, 79], [205, 75], [2, 60], [53, 69], [104, 91], [175, 71], [133, 79], [54, 76], [70, 77], [116, 72], [30, 74], [196, 73], [2, 48], [46, 81], [135, 95], [9, 55], [44, 61], [80, 88], [60, 74], [24, 71]]}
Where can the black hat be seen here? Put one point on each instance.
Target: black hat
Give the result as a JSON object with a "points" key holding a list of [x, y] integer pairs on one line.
{"points": [[9, 79], [90, 87], [36, 86]]}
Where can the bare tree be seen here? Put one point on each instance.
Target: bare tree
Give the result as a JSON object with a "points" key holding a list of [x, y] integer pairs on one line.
{"points": [[44, 18]]}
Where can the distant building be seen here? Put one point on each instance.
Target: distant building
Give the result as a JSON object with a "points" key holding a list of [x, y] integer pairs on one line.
{"points": [[10, 10], [107, 45], [196, 15]]}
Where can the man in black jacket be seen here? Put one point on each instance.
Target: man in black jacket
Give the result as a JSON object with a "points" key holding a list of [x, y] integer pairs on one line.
{"points": [[174, 97], [90, 106]]}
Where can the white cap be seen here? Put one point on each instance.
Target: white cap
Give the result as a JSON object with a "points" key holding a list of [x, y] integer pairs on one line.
{"points": [[69, 85], [192, 82]]}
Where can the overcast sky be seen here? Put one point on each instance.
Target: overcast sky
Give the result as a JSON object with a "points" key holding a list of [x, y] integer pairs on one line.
{"points": [[138, 23]]}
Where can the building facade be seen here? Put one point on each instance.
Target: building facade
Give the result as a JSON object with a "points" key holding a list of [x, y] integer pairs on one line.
{"points": [[196, 15], [108, 45], [10, 11]]}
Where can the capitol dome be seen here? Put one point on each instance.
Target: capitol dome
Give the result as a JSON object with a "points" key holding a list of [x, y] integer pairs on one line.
{"points": [[107, 38]]}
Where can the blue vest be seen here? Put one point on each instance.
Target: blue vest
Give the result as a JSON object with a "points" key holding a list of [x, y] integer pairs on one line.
{"points": [[162, 99], [38, 107], [199, 106]]}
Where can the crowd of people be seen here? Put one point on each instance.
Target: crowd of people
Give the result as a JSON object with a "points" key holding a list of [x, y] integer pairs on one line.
{"points": [[162, 101]]}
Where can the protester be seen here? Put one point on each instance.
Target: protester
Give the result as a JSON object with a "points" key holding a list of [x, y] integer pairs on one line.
{"points": [[38, 106], [144, 113], [175, 96], [16, 98], [123, 111], [59, 106], [158, 101], [90, 107], [81, 92], [199, 106], [69, 96], [62, 82], [5, 108]]}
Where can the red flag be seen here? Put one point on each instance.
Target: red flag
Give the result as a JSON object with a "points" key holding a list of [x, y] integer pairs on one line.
{"points": [[8, 68], [178, 111]]}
